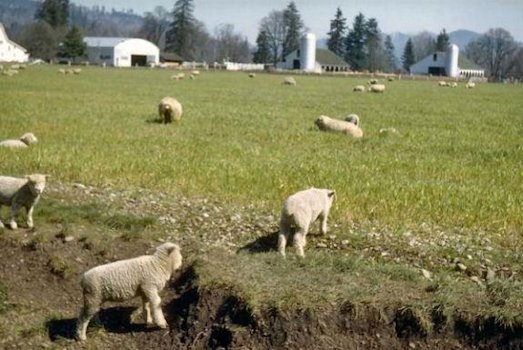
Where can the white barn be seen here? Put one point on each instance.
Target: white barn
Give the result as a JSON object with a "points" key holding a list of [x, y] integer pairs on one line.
{"points": [[9, 50], [121, 52], [447, 63]]}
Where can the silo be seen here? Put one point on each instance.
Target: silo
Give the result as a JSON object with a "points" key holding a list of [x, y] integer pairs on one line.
{"points": [[308, 52], [452, 61]]}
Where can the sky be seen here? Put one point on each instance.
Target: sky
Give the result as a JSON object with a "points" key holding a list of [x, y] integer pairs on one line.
{"points": [[406, 16]]}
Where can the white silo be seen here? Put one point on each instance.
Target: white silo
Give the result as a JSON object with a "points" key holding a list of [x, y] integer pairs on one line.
{"points": [[308, 52], [452, 61]]}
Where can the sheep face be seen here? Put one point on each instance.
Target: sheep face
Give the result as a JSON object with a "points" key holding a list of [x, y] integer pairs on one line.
{"points": [[28, 138], [172, 252], [36, 183], [353, 118]]}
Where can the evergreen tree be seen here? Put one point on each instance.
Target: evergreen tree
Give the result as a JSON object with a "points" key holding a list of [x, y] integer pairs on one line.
{"points": [[337, 33], [389, 53], [373, 45], [73, 45], [178, 37], [263, 53], [355, 44], [442, 41], [54, 12], [293, 28], [407, 58]]}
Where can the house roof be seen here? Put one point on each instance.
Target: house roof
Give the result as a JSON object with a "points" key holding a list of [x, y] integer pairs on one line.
{"points": [[103, 41], [2, 30], [170, 57], [329, 58]]}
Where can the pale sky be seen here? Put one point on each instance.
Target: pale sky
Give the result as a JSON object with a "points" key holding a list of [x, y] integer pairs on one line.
{"points": [[407, 16]]}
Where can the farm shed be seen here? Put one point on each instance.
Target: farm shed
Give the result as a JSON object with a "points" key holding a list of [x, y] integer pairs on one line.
{"points": [[447, 63], [122, 52], [9, 50]]}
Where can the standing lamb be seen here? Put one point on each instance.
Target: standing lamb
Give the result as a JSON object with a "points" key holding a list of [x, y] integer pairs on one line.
{"points": [[359, 88], [289, 81], [300, 211], [144, 276], [24, 141], [377, 88], [325, 123], [21, 192], [170, 109], [470, 85]]}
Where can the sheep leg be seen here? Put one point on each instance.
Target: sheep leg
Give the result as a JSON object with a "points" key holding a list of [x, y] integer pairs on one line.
{"points": [[154, 300], [147, 311], [323, 227], [30, 217], [300, 241], [89, 309], [282, 239], [14, 212]]}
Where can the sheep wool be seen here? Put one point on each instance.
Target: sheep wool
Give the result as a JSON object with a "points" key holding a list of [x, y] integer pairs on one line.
{"points": [[289, 81], [299, 211], [359, 88], [325, 123], [377, 88], [21, 192], [170, 110], [24, 141], [144, 276]]}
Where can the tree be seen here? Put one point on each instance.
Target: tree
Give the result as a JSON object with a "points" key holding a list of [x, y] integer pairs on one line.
{"points": [[154, 25], [263, 52], [54, 12], [40, 40], [293, 29], [492, 51], [515, 66], [442, 41], [178, 37], [231, 46], [423, 44], [337, 33], [408, 55], [274, 27], [355, 44], [373, 45], [389, 53], [73, 45]]}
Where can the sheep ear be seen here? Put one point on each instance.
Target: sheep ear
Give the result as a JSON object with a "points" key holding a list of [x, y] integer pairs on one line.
{"points": [[332, 193]]}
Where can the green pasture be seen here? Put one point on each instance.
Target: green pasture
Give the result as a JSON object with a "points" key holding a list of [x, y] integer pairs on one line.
{"points": [[456, 162]]}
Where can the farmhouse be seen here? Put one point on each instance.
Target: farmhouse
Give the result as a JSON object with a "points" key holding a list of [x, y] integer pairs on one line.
{"points": [[310, 59], [447, 63], [122, 52], [9, 50]]}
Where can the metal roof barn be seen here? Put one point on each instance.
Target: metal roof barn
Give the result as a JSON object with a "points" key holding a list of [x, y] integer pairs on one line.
{"points": [[121, 52]]}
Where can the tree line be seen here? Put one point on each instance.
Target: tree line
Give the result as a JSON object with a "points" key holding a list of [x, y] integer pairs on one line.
{"points": [[59, 28]]}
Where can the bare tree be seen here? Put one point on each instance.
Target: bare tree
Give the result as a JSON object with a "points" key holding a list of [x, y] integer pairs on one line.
{"points": [[423, 44], [231, 46], [492, 51], [154, 25], [274, 27]]}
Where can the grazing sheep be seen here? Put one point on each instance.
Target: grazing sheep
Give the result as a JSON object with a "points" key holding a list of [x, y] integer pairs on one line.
{"points": [[390, 78], [443, 83], [300, 211], [61, 71], [195, 72], [77, 70], [24, 141], [144, 276], [454, 84], [252, 75], [372, 81], [170, 109], [21, 192], [353, 118], [470, 85], [377, 88], [178, 76], [359, 88], [325, 123], [289, 81]]}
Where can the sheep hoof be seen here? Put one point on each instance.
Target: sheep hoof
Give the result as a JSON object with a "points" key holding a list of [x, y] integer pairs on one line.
{"points": [[13, 225], [162, 325]]}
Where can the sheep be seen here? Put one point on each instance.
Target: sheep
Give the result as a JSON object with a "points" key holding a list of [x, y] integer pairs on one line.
{"points": [[77, 70], [470, 85], [24, 141], [325, 123], [195, 72], [170, 109], [454, 84], [21, 192], [61, 71], [359, 88], [252, 75], [443, 83], [372, 81], [178, 76], [289, 81], [299, 211], [353, 118], [377, 88], [144, 276]]}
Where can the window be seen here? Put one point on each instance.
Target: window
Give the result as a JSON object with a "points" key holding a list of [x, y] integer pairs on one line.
{"points": [[435, 57]]}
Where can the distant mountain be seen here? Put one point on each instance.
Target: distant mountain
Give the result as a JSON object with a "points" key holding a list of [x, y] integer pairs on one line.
{"points": [[462, 37]]}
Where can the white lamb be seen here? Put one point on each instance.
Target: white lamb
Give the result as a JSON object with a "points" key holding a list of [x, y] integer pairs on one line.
{"points": [[377, 88], [353, 118], [359, 88], [289, 81], [144, 276], [24, 141], [300, 211], [470, 85], [21, 192], [325, 123], [170, 109]]}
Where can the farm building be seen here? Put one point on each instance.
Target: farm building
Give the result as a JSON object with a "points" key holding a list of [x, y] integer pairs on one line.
{"points": [[447, 63], [122, 52], [310, 59], [9, 50]]}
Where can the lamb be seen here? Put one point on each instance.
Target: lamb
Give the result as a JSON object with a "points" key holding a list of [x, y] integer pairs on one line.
{"points": [[353, 118], [359, 88], [454, 84], [144, 276], [325, 123], [301, 210], [252, 75], [372, 81], [377, 88], [21, 192], [170, 109], [289, 81], [470, 85], [443, 83], [24, 141]]}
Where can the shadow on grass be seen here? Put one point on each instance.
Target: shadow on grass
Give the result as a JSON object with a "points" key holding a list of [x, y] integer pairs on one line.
{"points": [[262, 244], [154, 120], [113, 320]]}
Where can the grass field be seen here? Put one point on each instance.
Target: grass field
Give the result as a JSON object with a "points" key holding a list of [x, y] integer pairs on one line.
{"points": [[448, 187]]}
